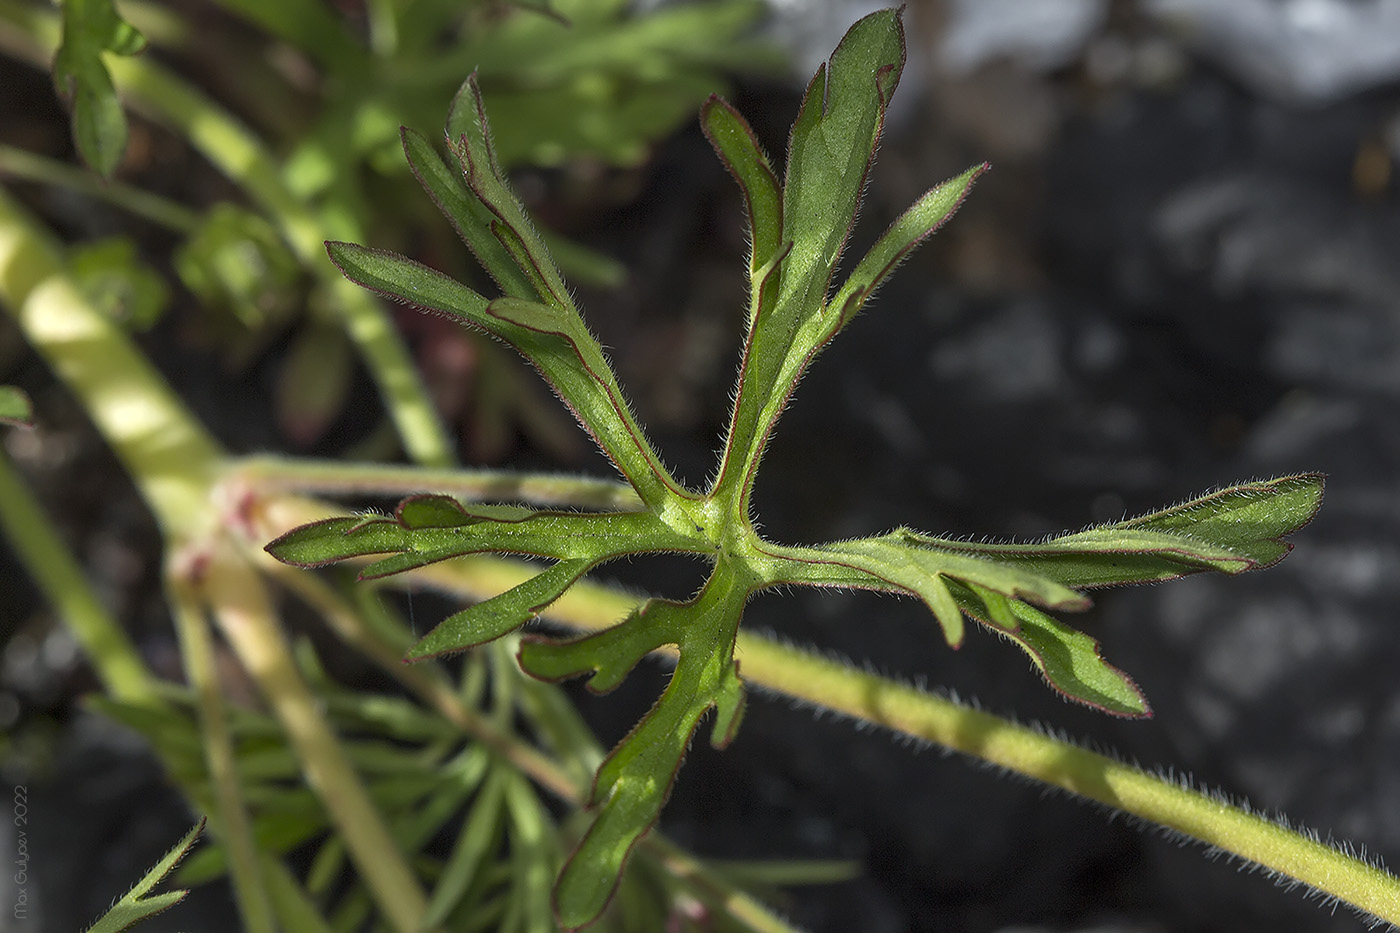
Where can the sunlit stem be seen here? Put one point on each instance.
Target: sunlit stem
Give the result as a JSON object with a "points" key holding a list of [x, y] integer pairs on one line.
{"points": [[1022, 749], [268, 475]]}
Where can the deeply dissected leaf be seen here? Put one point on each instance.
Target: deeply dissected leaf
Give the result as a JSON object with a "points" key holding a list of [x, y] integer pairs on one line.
{"points": [[468, 216], [549, 332], [897, 559], [798, 232], [469, 134], [829, 156]]}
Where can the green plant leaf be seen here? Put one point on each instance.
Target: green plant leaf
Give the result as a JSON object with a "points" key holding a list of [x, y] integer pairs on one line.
{"points": [[832, 147], [738, 148], [469, 135], [911, 228], [896, 561], [1230, 531], [831, 150], [236, 261], [468, 216], [480, 837], [635, 779], [139, 904], [426, 529], [552, 337], [1068, 659], [798, 233], [111, 276], [90, 28], [499, 615], [15, 407]]}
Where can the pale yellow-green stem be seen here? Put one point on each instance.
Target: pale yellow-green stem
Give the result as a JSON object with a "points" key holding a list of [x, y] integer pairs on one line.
{"points": [[115, 659], [806, 676], [231, 820], [1024, 750], [175, 465], [334, 477], [164, 448], [239, 601]]}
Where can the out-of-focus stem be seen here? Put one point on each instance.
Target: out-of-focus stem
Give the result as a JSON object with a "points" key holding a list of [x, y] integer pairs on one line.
{"points": [[51, 565], [267, 475], [240, 603], [33, 167], [232, 822], [237, 152], [163, 447]]}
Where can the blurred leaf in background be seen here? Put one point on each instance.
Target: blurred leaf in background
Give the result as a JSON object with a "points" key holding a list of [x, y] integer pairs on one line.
{"points": [[90, 28]]}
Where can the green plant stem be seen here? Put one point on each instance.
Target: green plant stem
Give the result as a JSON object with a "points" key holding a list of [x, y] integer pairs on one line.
{"points": [[267, 475], [175, 464], [235, 151], [1024, 750], [232, 822], [244, 613], [239, 154], [428, 683], [30, 166], [829, 684], [164, 449], [51, 565]]}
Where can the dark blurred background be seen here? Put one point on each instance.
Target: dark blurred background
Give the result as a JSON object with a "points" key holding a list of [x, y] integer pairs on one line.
{"points": [[1181, 272]]}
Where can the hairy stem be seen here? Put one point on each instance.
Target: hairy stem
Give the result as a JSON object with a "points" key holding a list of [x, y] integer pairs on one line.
{"points": [[1024, 750], [822, 682]]}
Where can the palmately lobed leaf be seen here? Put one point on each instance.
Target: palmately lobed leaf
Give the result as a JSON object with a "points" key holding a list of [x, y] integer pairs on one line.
{"points": [[798, 232]]}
